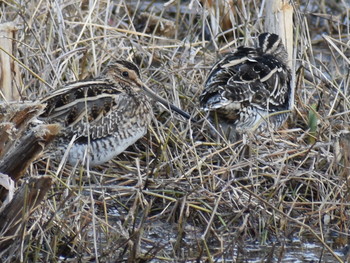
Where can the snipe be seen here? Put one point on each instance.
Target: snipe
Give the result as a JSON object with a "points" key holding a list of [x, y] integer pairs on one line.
{"points": [[249, 90], [102, 116]]}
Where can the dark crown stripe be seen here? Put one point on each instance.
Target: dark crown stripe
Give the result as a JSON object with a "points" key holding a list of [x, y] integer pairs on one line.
{"points": [[130, 66], [268, 41]]}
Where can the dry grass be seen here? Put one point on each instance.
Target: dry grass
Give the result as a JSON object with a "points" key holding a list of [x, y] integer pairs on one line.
{"points": [[180, 193]]}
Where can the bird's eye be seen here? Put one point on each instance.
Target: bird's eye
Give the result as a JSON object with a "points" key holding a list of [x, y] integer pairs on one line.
{"points": [[125, 74]]}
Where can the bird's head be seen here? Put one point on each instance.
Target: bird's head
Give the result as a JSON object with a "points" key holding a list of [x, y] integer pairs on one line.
{"points": [[272, 44], [124, 72]]}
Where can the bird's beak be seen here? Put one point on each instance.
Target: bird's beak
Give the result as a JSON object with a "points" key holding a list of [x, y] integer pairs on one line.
{"points": [[167, 104]]}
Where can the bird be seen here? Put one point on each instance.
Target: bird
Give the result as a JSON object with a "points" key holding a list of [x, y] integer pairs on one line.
{"points": [[249, 90], [103, 116]]}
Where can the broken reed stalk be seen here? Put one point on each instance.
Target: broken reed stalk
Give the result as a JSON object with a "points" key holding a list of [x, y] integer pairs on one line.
{"points": [[20, 141], [9, 70]]}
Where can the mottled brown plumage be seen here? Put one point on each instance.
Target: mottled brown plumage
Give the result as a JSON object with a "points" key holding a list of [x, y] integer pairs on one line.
{"points": [[102, 116]]}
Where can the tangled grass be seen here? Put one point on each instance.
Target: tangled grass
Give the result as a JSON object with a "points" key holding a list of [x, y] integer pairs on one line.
{"points": [[181, 193]]}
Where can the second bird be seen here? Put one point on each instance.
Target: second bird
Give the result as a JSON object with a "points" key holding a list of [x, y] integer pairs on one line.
{"points": [[249, 90]]}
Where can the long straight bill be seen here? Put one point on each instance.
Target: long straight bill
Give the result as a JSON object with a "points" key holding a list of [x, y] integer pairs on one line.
{"points": [[167, 104]]}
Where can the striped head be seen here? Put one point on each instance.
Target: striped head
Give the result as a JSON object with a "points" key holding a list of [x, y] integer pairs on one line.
{"points": [[124, 72], [272, 44]]}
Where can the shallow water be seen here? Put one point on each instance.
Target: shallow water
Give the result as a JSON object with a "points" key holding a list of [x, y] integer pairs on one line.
{"points": [[301, 249], [296, 251]]}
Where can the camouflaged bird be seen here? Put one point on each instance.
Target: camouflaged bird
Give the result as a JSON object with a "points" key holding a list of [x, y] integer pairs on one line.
{"points": [[101, 117], [249, 89]]}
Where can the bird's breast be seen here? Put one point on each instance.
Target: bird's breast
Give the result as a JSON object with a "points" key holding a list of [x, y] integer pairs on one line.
{"points": [[104, 149]]}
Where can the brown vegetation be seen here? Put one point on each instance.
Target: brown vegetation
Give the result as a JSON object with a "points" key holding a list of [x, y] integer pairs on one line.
{"points": [[181, 193]]}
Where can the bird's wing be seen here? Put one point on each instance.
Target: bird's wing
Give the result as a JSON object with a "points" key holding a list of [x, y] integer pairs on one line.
{"points": [[87, 108], [245, 77]]}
